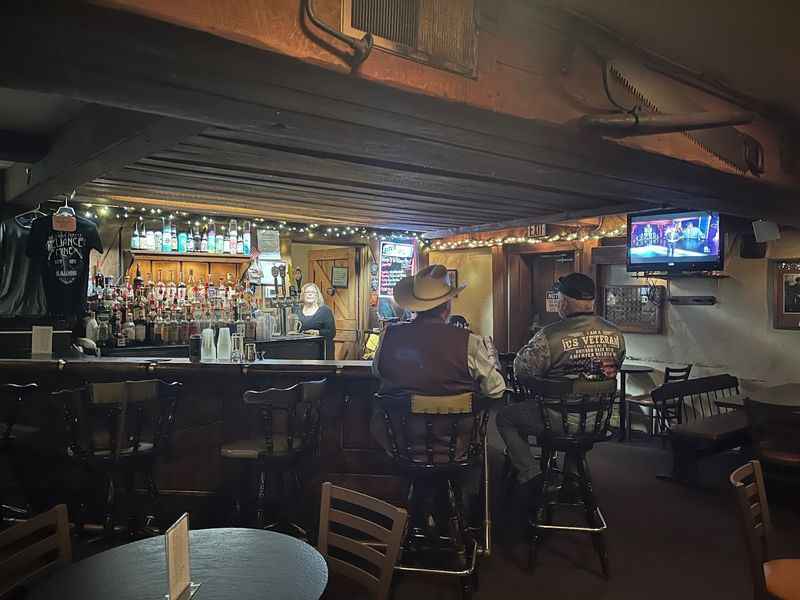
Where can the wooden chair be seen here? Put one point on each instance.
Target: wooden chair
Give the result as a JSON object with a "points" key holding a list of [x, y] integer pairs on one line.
{"points": [[368, 557], [772, 578], [774, 432], [645, 401], [31, 549]]}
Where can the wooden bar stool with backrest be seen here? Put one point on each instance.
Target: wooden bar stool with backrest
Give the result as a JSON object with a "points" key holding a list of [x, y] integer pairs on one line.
{"points": [[30, 550], [360, 538], [645, 401], [12, 398], [284, 428], [120, 430], [576, 415], [435, 442], [772, 578]]}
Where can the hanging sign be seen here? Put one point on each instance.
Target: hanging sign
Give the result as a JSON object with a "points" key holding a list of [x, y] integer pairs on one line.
{"points": [[551, 302], [269, 243], [397, 261], [537, 230]]}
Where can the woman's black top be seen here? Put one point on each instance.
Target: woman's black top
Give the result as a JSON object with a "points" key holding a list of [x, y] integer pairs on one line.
{"points": [[324, 321]]}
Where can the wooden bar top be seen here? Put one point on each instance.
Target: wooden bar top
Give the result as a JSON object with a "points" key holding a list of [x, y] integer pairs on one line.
{"points": [[359, 369]]}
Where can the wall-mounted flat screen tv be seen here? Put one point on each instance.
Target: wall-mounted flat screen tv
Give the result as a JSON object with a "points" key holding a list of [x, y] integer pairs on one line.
{"points": [[675, 242]]}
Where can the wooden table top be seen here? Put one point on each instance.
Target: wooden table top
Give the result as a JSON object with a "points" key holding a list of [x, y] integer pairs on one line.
{"points": [[245, 564]]}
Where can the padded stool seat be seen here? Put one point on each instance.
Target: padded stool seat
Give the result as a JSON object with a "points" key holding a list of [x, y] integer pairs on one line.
{"points": [[255, 449], [715, 428], [783, 578], [144, 449]]}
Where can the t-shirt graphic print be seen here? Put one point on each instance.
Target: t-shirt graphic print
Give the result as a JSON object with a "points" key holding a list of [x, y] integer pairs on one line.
{"points": [[64, 257]]}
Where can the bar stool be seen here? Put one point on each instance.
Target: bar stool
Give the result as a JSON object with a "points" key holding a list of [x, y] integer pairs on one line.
{"points": [[13, 397], [575, 415], [120, 430], [284, 430], [436, 441]]}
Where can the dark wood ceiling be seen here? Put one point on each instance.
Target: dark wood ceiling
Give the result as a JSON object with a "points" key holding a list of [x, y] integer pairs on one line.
{"points": [[189, 118]]}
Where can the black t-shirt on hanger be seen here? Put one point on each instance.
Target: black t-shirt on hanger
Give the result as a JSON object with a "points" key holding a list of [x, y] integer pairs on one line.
{"points": [[64, 259]]}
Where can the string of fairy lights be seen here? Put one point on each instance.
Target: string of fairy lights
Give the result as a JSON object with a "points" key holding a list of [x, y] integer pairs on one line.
{"points": [[572, 236], [153, 217]]}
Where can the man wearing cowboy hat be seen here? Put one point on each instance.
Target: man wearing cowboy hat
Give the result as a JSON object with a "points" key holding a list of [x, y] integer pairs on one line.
{"points": [[427, 356], [582, 344]]}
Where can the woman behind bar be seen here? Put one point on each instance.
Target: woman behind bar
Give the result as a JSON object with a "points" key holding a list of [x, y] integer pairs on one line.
{"points": [[317, 318]]}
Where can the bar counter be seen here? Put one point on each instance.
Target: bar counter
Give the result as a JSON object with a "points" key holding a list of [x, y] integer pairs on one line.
{"points": [[211, 412]]}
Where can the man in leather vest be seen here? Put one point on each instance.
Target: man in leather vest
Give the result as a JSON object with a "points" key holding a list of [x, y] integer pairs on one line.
{"points": [[428, 356], [580, 345]]}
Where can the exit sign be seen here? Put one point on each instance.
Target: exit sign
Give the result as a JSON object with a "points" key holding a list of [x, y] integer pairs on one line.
{"points": [[537, 230]]}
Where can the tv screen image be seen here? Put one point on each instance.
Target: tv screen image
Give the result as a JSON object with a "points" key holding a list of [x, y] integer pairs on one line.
{"points": [[674, 241]]}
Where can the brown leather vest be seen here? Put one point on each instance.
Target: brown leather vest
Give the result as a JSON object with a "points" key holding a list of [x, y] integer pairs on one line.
{"points": [[425, 357]]}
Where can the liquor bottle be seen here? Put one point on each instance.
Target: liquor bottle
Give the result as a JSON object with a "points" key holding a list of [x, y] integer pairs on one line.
{"points": [[191, 288], [135, 238], [150, 238], [172, 325], [140, 326], [174, 237], [211, 291], [183, 241], [166, 236], [161, 289], [172, 290], [158, 240], [204, 242], [129, 329], [197, 240], [220, 245], [246, 241], [239, 244], [232, 233], [190, 241], [227, 244], [151, 287], [91, 327], [138, 282], [181, 289], [212, 237]]}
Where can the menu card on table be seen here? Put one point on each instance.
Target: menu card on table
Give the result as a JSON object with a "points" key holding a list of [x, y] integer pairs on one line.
{"points": [[179, 572]]}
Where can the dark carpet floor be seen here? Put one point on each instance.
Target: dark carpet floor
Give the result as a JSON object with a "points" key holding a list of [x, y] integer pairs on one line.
{"points": [[665, 540]]}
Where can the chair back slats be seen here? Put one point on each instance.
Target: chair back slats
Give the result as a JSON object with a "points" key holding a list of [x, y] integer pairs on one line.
{"points": [[113, 418], [582, 408], [754, 518], [29, 550], [679, 402], [428, 431], [13, 396], [359, 559]]}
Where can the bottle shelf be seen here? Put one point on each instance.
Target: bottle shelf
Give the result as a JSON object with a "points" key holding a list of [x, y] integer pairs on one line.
{"points": [[191, 256]]}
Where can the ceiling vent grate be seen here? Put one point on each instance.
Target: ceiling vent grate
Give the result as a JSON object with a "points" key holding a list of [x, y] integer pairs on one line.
{"points": [[441, 33]]}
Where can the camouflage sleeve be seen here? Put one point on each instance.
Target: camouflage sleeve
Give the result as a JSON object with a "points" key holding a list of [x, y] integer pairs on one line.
{"points": [[534, 359]]}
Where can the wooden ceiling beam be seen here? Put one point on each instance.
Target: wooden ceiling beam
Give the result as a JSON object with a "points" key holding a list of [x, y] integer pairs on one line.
{"points": [[100, 140], [22, 147], [78, 51]]}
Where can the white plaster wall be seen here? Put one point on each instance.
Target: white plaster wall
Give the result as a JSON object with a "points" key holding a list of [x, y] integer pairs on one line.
{"points": [[735, 335]]}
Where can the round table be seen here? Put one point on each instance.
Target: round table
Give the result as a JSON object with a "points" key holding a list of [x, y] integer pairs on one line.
{"points": [[624, 370], [227, 563]]}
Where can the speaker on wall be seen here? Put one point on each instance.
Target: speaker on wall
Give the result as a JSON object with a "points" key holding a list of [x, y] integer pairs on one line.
{"points": [[766, 231], [750, 248]]}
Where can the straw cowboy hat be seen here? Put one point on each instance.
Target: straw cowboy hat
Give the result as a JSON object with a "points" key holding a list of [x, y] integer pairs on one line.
{"points": [[429, 288]]}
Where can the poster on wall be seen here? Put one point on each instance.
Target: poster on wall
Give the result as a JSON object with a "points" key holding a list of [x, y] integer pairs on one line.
{"points": [[397, 261]]}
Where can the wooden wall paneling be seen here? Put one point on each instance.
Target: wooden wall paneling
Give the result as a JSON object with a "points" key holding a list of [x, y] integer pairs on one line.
{"points": [[500, 298]]}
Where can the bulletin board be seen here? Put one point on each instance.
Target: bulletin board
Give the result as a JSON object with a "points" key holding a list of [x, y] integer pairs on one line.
{"points": [[635, 308], [396, 262]]}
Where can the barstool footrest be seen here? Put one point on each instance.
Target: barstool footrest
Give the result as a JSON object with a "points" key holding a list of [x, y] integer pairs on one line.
{"points": [[603, 527], [400, 568]]}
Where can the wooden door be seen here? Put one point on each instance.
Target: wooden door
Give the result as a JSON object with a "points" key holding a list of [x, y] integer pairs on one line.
{"points": [[345, 302]]}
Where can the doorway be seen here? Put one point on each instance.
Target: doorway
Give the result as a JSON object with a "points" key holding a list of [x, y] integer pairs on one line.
{"points": [[344, 299], [533, 301]]}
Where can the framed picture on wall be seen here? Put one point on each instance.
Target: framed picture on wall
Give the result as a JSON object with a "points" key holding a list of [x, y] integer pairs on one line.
{"points": [[785, 281]]}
